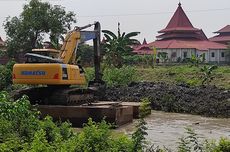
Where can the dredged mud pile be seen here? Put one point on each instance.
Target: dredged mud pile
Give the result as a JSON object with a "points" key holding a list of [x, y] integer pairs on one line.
{"points": [[203, 100]]}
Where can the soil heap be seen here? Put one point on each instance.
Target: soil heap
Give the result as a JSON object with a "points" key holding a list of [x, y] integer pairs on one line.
{"points": [[181, 98]]}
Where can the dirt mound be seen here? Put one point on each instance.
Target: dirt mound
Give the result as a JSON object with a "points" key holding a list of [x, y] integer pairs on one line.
{"points": [[203, 100]]}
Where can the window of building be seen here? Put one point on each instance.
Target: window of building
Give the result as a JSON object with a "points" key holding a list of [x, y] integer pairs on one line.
{"points": [[222, 54], [173, 54], [185, 54], [213, 54]]}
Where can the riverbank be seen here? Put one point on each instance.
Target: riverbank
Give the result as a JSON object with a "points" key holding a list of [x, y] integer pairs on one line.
{"points": [[202, 100], [187, 74]]}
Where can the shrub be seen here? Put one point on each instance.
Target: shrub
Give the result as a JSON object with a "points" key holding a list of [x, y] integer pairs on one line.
{"points": [[138, 136], [138, 59], [208, 74], [123, 76], [114, 76], [145, 108], [22, 130], [89, 74], [191, 142], [6, 75]]}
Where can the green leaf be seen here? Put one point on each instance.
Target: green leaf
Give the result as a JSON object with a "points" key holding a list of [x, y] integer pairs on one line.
{"points": [[110, 33]]}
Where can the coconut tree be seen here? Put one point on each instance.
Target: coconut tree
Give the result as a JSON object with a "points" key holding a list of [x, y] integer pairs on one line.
{"points": [[117, 46]]}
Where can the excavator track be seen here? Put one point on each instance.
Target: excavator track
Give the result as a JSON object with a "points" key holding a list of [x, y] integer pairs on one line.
{"points": [[57, 95]]}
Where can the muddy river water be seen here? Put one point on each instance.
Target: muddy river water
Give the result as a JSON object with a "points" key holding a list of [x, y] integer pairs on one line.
{"points": [[166, 128]]}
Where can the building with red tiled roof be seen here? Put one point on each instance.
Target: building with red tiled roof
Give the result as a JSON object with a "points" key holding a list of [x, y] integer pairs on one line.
{"points": [[179, 39], [223, 35]]}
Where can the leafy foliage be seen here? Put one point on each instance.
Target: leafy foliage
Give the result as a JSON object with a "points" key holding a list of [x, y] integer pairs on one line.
{"points": [[190, 143], [208, 74], [195, 61], [117, 46], [163, 56], [139, 135], [21, 129], [37, 18], [145, 108], [138, 60], [193, 143], [115, 76], [85, 54], [6, 75], [123, 76], [98, 137]]}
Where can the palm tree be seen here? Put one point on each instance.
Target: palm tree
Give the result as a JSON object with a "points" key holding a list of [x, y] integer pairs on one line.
{"points": [[117, 46]]}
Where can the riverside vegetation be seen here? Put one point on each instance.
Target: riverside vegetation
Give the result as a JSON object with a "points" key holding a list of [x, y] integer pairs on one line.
{"points": [[21, 129], [169, 88]]}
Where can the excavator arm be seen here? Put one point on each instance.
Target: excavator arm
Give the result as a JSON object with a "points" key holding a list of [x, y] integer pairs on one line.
{"points": [[68, 51]]}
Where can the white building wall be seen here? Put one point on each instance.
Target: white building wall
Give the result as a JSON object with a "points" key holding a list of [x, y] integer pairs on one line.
{"points": [[217, 55], [212, 55], [174, 54], [222, 58]]}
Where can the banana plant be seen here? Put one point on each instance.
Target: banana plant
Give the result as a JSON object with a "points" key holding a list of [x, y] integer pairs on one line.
{"points": [[208, 74], [117, 46]]}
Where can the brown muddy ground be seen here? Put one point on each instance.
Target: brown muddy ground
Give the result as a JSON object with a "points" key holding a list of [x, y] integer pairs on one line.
{"points": [[202, 100]]}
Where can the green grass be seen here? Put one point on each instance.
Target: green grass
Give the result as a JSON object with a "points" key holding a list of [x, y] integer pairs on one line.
{"points": [[184, 74]]}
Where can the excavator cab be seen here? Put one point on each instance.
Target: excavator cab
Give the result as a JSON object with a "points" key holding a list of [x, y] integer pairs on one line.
{"points": [[47, 52]]}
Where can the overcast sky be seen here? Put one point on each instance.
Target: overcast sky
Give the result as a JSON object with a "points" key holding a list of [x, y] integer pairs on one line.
{"points": [[145, 16]]}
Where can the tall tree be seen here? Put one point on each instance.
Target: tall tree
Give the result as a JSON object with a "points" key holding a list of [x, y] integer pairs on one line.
{"points": [[117, 46], [37, 19], [85, 53]]}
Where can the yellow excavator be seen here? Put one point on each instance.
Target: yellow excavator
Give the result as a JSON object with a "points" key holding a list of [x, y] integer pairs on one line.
{"points": [[57, 71]]}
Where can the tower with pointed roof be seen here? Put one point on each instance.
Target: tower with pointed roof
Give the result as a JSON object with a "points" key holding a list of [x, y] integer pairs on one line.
{"points": [[144, 41], [180, 40], [180, 27]]}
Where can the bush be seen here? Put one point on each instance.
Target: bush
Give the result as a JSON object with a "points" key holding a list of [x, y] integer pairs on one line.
{"points": [[6, 75], [89, 74], [122, 76], [98, 137], [138, 136], [138, 60], [22, 130], [114, 76]]}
